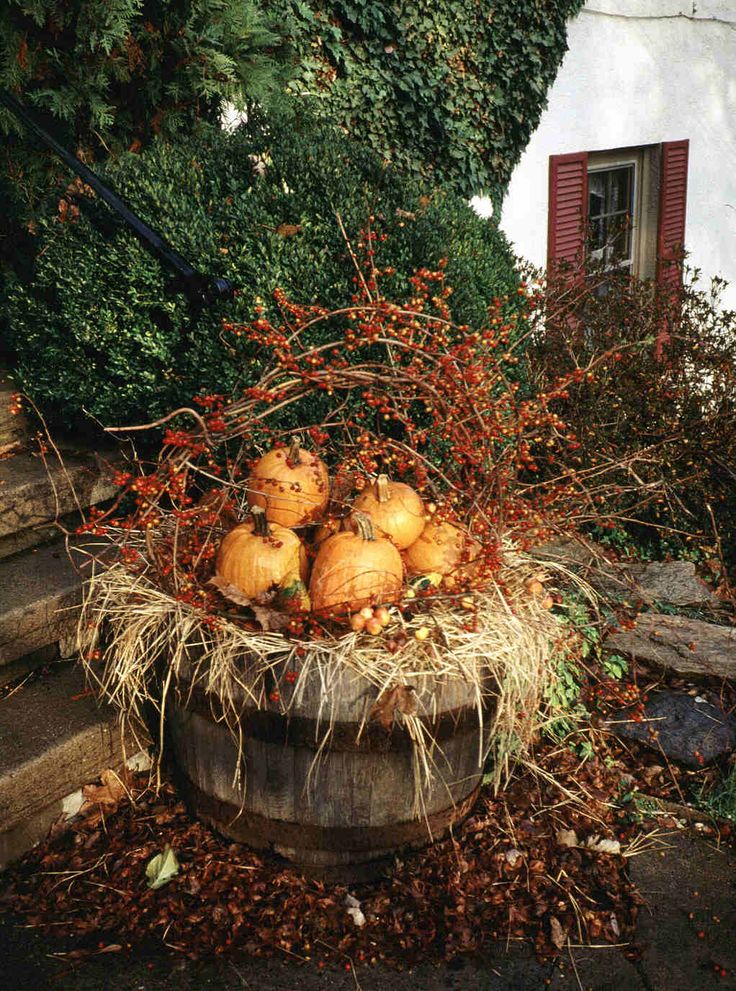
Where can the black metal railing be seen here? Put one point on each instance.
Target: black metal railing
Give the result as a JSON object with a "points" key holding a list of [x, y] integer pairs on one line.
{"points": [[195, 284]]}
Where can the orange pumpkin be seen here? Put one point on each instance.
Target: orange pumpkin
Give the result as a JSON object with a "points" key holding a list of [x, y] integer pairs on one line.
{"points": [[443, 549], [395, 509], [353, 570], [256, 558], [292, 484], [329, 528]]}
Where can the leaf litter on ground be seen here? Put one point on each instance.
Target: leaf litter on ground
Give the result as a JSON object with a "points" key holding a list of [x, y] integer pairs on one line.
{"points": [[502, 875]]}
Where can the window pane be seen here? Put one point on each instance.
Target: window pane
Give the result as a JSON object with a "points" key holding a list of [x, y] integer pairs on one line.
{"points": [[596, 193], [610, 213], [619, 189], [597, 233], [619, 236]]}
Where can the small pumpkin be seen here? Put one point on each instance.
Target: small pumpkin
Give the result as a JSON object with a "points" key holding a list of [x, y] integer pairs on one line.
{"points": [[292, 484], [443, 549], [256, 557], [395, 509], [355, 569]]}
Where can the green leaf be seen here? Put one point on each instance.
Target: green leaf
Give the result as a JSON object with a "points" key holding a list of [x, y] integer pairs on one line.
{"points": [[161, 868]]}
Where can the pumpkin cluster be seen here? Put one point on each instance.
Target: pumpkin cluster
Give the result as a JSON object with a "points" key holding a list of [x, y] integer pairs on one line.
{"points": [[359, 562]]}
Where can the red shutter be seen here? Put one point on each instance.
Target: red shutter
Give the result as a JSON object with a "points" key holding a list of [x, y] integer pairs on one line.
{"points": [[568, 208], [672, 208]]}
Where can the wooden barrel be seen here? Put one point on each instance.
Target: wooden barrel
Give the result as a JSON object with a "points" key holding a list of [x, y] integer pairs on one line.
{"points": [[338, 806]]}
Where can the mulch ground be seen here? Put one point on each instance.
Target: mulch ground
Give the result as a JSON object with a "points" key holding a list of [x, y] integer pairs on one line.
{"points": [[545, 862], [508, 873]]}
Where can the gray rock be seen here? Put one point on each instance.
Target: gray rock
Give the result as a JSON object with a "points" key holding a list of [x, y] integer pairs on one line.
{"points": [[568, 550], [674, 582], [677, 643], [690, 731]]}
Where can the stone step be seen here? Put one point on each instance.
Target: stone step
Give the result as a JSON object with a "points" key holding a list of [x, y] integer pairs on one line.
{"points": [[40, 591], [54, 737], [14, 428], [32, 497]]}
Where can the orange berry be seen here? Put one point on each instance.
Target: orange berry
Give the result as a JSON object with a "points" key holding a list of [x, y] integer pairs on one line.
{"points": [[382, 615]]}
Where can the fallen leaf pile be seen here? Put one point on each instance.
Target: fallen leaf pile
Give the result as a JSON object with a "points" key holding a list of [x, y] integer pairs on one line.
{"points": [[541, 862]]}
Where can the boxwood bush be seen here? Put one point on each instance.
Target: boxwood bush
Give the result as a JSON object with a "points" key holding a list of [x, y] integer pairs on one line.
{"points": [[101, 329]]}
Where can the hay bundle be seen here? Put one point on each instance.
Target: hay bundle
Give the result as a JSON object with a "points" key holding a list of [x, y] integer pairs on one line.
{"points": [[140, 643]]}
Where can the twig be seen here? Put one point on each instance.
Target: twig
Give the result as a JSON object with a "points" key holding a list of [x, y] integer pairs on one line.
{"points": [[165, 419], [574, 965]]}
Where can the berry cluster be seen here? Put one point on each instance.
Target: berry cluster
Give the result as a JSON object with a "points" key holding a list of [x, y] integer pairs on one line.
{"points": [[403, 390]]}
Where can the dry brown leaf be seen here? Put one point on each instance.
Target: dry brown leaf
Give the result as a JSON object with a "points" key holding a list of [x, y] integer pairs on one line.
{"points": [[566, 837], [559, 936], [652, 772], [513, 857], [270, 619], [106, 796], [230, 592], [401, 698], [598, 845]]}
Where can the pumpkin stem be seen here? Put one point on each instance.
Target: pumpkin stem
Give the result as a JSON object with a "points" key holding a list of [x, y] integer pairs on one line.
{"points": [[364, 525], [294, 454], [260, 523], [382, 490]]}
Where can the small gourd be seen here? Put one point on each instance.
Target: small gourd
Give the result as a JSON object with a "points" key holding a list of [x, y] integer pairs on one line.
{"points": [[292, 484], [353, 570], [395, 509], [257, 558], [443, 549]]}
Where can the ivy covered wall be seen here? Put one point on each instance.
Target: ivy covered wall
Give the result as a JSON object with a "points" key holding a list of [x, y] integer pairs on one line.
{"points": [[453, 88], [450, 89]]}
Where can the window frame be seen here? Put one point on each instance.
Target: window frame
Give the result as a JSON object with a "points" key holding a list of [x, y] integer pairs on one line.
{"points": [[662, 208], [606, 162]]}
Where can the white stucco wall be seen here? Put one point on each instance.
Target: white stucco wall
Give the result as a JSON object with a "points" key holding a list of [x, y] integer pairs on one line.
{"points": [[638, 72]]}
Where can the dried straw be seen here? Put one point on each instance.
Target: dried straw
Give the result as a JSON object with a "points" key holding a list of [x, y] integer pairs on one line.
{"points": [[150, 643]]}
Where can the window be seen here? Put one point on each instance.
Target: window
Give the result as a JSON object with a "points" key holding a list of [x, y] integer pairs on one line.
{"points": [[629, 203], [611, 215]]}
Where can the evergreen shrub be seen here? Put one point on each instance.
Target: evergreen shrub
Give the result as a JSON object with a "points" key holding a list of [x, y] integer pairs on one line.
{"points": [[114, 74], [101, 328]]}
